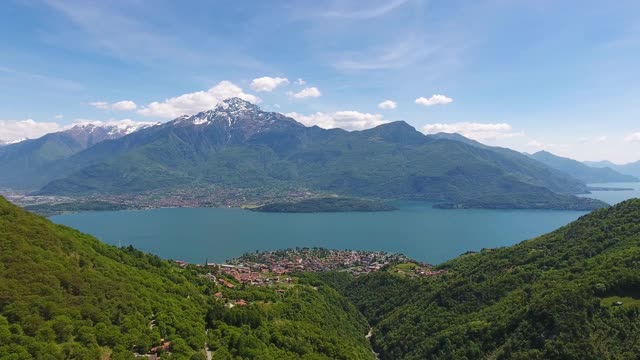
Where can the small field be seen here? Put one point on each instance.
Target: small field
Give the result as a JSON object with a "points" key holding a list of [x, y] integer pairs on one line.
{"points": [[627, 301]]}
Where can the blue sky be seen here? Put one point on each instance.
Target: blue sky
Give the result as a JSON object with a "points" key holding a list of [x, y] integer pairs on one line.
{"points": [[530, 75]]}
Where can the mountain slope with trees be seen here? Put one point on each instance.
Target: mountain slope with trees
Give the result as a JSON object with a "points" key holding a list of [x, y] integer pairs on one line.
{"points": [[22, 163], [552, 297], [65, 295]]}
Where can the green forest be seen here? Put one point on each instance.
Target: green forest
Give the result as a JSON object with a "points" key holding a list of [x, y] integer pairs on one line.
{"points": [[65, 295], [570, 294], [552, 297]]}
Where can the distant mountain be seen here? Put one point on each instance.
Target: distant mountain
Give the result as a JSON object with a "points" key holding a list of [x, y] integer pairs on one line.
{"points": [[581, 171], [20, 162], [457, 137], [237, 145], [630, 168], [5, 143]]}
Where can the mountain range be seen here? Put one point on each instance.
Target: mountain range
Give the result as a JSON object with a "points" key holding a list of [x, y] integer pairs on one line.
{"points": [[237, 145], [632, 168], [581, 171], [20, 161]]}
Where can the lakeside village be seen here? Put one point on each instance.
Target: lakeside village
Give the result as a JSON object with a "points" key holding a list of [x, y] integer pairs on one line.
{"points": [[275, 267], [276, 270]]}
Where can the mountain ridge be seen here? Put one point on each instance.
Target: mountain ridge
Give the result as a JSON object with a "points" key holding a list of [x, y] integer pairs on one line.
{"points": [[20, 161], [632, 168], [569, 294], [237, 145], [581, 171]]}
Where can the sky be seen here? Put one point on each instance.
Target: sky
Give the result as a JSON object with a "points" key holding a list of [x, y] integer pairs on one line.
{"points": [[536, 75]]}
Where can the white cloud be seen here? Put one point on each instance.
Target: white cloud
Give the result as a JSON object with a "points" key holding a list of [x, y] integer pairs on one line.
{"points": [[632, 137], [11, 130], [306, 92], [348, 120], [388, 104], [435, 99], [476, 131], [268, 83], [600, 139], [100, 104], [195, 102], [536, 144], [124, 105], [401, 52], [545, 146], [58, 117], [300, 82], [362, 10]]}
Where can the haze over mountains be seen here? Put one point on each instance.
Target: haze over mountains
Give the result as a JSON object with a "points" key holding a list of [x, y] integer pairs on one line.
{"points": [[632, 168], [582, 171]]}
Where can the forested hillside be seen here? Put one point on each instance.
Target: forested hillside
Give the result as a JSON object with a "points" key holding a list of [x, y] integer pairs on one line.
{"points": [[65, 295], [553, 297]]}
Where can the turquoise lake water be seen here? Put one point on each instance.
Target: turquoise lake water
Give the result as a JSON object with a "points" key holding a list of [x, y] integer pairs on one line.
{"points": [[417, 230]]}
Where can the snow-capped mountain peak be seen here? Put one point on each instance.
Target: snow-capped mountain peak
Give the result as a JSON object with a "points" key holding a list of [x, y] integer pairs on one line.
{"points": [[227, 111]]}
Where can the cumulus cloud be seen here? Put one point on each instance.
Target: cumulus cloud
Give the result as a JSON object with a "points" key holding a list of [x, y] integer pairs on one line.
{"points": [[388, 105], [192, 103], [632, 137], [435, 99], [306, 92], [268, 83], [12, 130], [476, 131], [300, 82], [348, 120], [58, 117], [100, 104], [124, 105]]}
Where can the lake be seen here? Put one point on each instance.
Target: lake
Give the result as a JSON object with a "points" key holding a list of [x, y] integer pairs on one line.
{"points": [[416, 229], [614, 197]]}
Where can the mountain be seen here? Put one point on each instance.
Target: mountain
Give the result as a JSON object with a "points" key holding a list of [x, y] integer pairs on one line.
{"points": [[552, 297], [65, 295], [458, 137], [5, 143], [581, 171], [630, 168], [20, 162], [237, 145]]}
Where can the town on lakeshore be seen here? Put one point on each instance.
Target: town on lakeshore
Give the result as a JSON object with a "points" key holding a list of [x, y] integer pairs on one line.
{"points": [[273, 267]]}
